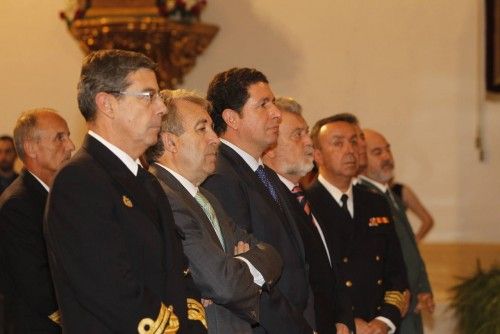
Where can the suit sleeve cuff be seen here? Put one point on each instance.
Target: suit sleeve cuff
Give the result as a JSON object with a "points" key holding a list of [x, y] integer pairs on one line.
{"points": [[257, 276], [389, 323]]}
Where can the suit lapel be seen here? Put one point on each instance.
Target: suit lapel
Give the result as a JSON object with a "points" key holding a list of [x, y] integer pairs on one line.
{"points": [[338, 228], [288, 204], [185, 197], [134, 194], [247, 174]]}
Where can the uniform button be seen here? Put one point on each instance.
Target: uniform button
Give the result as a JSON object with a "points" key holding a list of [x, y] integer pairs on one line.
{"points": [[379, 308], [348, 284], [379, 282], [353, 308], [345, 260], [377, 258]]}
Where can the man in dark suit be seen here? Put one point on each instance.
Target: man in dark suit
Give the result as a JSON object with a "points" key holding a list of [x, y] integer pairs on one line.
{"points": [[247, 120], [43, 144], [115, 254], [7, 160], [184, 156], [379, 171], [292, 158], [358, 229]]}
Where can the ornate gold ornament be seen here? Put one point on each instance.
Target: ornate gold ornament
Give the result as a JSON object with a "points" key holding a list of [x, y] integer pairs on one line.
{"points": [[171, 37]]}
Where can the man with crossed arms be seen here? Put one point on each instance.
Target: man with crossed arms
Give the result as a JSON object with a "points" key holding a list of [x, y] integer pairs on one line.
{"points": [[182, 159]]}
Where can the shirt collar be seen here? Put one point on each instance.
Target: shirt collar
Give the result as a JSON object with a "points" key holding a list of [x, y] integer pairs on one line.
{"points": [[132, 165], [382, 187], [334, 191], [251, 162], [190, 187], [289, 184], [41, 182]]}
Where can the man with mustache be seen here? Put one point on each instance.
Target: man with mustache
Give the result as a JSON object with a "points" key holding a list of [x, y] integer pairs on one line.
{"points": [[291, 158], [358, 228], [379, 171], [115, 253], [182, 159], [247, 121], [42, 141]]}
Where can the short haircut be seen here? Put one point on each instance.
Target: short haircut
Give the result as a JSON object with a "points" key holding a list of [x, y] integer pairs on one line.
{"points": [[288, 104], [107, 71], [7, 138], [343, 117], [171, 121], [229, 90], [25, 129]]}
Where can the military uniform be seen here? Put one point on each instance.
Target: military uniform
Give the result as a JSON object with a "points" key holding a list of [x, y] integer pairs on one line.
{"points": [[113, 248], [367, 250], [415, 267]]}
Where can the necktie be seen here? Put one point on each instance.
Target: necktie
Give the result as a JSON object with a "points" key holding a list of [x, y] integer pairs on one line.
{"points": [[390, 196], [299, 194], [210, 213], [261, 173], [344, 199]]}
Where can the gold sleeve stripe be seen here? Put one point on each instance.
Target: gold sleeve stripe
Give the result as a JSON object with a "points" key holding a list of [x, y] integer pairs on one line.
{"points": [[395, 298], [56, 317], [166, 322], [196, 311]]}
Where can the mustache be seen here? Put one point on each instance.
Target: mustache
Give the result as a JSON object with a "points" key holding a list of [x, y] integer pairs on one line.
{"points": [[387, 163]]}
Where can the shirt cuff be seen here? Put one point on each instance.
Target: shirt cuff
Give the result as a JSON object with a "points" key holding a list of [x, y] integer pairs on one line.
{"points": [[389, 323], [257, 276]]}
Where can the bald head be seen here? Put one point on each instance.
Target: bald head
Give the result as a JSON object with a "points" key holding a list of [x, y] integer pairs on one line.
{"points": [[380, 161], [42, 140]]}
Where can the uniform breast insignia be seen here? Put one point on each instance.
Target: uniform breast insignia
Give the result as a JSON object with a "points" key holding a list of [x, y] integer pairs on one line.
{"points": [[376, 221], [166, 323], [196, 311], [56, 317], [128, 203]]}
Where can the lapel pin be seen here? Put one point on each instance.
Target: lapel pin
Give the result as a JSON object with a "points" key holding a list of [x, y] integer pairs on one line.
{"points": [[127, 201]]}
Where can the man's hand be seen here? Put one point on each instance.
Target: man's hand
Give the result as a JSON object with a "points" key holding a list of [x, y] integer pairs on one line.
{"points": [[241, 247], [425, 302], [342, 329], [361, 326], [377, 326], [406, 305], [206, 302]]}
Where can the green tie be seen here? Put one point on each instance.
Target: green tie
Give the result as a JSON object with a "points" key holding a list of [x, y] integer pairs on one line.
{"points": [[209, 211]]}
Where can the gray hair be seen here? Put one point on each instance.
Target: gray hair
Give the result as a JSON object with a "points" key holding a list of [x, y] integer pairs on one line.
{"points": [[288, 104], [25, 129], [171, 121]]}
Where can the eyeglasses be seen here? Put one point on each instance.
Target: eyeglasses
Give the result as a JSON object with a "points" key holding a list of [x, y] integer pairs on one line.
{"points": [[148, 96]]}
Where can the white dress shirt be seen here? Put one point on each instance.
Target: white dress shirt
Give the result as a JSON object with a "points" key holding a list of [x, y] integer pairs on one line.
{"points": [[39, 180], [132, 165], [337, 194], [251, 162]]}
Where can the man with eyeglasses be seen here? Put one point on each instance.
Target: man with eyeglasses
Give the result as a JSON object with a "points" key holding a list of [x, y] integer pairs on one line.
{"points": [[115, 253]]}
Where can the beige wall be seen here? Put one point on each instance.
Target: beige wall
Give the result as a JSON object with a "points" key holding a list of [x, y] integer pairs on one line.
{"points": [[411, 69]]}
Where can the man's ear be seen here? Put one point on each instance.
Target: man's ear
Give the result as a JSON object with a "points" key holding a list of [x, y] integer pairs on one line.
{"points": [[105, 103], [231, 118], [170, 142], [30, 148], [318, 157]]}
